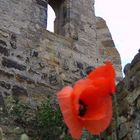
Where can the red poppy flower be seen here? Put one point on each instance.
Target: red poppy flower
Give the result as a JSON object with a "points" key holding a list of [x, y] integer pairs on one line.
{"points": [[89, 103]]}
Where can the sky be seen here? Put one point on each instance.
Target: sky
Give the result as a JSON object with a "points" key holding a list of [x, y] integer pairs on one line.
{"points": [[123, 20]]}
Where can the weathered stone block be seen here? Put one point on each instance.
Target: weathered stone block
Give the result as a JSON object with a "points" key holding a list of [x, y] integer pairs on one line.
{"points": [[5, 85], [138, 103], [80, 65], [1, 103], [4, 51], [42, 3], [35, 54], [6, 74], [53, 79], [108, 43], [13, 41], [12, 64], [100, 23], [124, 110], [19, 91], [3, 43], [124, 129], [136, 59], [22, 78]]}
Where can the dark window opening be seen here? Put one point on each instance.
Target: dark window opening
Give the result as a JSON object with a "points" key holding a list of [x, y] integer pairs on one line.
{"points": [[59, 8]]}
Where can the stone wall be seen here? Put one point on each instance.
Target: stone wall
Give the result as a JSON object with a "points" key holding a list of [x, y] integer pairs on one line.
{"points": [[128, 97], [33, 67], [106, 46], [76, 19], [38, 66], [33, 58], [20, 16], [35, 63]]}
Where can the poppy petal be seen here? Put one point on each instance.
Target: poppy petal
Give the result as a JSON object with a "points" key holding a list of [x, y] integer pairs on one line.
{"points": [[96, 127], [78, 88], [106, 70], [95, 104], [104, 85], [71, 120]]}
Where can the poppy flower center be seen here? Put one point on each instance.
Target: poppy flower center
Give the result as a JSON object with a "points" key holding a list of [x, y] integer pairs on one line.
{"points": [[82, 108]]}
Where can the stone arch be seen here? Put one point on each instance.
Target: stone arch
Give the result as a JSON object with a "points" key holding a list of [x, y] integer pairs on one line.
{"points": [[59, 7]]}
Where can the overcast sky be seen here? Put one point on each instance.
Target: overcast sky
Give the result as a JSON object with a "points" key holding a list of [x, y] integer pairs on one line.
{"points": [[123, 20]]}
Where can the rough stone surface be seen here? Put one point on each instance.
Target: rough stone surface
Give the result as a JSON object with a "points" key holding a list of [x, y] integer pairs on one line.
{"points": [[123, 130], [30, 55], [35, 63], [128, 103], [12, 64], [1, 103], [106, 46]]}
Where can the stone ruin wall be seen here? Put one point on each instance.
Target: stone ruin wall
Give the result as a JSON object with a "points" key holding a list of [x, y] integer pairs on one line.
{"points": [[35, 62], [128, 98], [106, 46]]}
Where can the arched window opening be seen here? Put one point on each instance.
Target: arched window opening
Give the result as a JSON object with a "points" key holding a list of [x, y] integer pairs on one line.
{"points": [[59, 7], [50, 19]]}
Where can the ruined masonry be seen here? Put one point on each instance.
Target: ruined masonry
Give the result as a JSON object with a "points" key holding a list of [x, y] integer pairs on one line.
{"points": [[35, 63], [128, 98]]}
